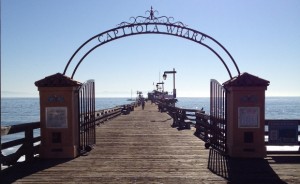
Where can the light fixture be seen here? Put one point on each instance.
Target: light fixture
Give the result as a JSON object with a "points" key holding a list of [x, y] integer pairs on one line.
{"points": [[165, 76]]}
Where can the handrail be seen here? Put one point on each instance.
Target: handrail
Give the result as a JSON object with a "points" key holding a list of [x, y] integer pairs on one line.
{"points": [[282, 120], [107, 114], [203, 128], [183, 118], [29, 144]]}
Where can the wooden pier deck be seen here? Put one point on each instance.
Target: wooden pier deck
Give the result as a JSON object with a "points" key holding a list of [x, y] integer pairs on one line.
{"points": [[142, 147]]}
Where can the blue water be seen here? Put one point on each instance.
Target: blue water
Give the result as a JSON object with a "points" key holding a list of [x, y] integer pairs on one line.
{"points": [[25, 110], [276, 107]]}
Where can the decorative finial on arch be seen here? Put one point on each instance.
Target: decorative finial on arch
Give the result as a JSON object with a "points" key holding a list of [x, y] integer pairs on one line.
{"points": [[151, 19], [151, 13]]}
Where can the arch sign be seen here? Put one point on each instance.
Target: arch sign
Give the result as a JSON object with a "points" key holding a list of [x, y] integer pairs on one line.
{"points": [[149, 25]]}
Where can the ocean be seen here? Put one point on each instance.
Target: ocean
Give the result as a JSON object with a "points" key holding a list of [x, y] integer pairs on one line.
{"points": [[276, 107], [24, 110]]}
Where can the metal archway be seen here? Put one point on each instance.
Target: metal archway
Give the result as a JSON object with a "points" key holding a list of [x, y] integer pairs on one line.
{"points": [[150, 25]]}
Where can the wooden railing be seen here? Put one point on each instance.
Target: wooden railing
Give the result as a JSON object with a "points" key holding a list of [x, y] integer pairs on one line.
{"points": [[212, 130], [203, 128], [287, 127], [28, 145], [108, 114], [184, 118]]}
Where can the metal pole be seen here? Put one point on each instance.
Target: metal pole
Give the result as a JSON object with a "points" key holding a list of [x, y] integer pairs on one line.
{"points": [[174, 89]]}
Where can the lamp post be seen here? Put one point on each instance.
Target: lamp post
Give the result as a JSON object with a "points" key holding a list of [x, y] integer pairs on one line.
{"points": [[165, 77]]}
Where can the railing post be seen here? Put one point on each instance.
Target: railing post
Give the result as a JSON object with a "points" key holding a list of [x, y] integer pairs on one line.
{"points": [[175, 118], [206, 129], [28, 145], [197, 125], [181, 119]]}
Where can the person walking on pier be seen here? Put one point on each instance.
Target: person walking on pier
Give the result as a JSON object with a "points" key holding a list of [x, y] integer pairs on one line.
{"points": [[143, 103]]}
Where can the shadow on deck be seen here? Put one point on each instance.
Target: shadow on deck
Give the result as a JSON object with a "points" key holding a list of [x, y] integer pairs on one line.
{"points": [[253, 170], [23, 169], [233, 170]]}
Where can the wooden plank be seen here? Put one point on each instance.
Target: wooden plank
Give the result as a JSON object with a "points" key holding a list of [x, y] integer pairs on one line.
{"points": [[142, 147]]}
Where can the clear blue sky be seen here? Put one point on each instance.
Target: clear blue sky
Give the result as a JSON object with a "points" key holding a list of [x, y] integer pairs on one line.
{"points": [[38, 38]]}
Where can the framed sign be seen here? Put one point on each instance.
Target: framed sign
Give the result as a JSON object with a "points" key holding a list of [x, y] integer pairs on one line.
{"points": [[248, 117], [283, 132], [56, 117]]}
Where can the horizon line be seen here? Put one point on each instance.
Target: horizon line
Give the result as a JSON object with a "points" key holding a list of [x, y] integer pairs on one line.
{"points": [[135, 97]]}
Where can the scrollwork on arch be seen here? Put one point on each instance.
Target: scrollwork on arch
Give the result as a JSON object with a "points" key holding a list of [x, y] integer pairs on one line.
{"points": [[151, 24], [152, 19]]}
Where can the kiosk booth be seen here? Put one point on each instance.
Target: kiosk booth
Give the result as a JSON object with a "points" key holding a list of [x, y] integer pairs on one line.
{"points": [[58, 116], [246, 116]]}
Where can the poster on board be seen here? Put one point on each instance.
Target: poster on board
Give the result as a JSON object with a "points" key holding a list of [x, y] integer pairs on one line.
{"points": [[248, 117], [56, 117]]}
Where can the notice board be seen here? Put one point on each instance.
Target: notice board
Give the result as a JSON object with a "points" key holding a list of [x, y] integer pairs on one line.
{"points": [[248, 117], [56, 117]]}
